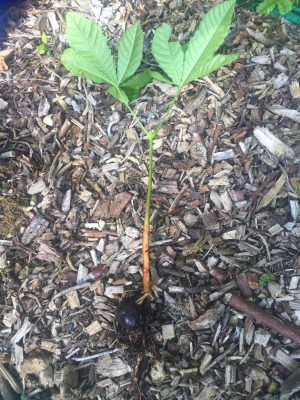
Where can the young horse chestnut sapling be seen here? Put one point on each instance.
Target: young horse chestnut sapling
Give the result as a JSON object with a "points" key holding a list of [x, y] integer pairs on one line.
{"points": [[90, 57]]}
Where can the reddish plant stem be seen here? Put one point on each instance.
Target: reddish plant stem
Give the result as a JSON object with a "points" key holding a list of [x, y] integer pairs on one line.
{"points": [[146, 260], [262, 317], [146, 231]]}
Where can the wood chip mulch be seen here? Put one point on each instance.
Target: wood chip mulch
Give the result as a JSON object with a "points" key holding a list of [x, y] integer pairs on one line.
{"points": [[225, 217]]}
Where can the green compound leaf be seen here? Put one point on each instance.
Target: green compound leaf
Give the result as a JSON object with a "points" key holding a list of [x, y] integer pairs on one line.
{"points": [[92, 57], [130, 52], [169, 55], [89, 55], [209, 36], [267, 6]]}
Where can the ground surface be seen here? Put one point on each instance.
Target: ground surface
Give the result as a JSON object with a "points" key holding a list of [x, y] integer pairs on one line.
{"points": [[73, 171]]}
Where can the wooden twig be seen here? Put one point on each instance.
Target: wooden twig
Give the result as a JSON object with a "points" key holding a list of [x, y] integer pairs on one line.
{"points": [[262, 317], [177, 199], [93, 233], [9, 379]]}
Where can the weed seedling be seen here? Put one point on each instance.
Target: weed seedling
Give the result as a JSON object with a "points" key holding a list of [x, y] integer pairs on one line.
{"points": [[199, 248], [265, 278], [90, 57], [42, 47]]}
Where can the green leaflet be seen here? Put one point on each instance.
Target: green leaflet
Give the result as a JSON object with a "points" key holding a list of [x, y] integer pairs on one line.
{"points": [[266, 7], [90, 50], [209, 36], [131, 93], [141, 79], [82, 65], [215, 63], [285, 6], [130, 52], [185, 63], [42, 47], [169, 55], [132, 87], [44, 38], [159, 77], [118, 94]]}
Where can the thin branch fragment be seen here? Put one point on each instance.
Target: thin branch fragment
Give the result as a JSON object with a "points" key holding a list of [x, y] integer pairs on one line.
{"points": [[262, 317]]}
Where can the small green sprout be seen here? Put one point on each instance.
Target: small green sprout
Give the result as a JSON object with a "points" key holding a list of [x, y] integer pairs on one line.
{"points": [[199, 248], [265, 278], [42, 47]]}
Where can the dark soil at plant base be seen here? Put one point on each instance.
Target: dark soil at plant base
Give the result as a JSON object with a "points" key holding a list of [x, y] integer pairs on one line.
{"points": [[225, 213]]}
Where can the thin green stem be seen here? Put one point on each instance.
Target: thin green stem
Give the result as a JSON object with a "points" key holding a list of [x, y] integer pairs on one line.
{"points": [[167, 113], [146, 230], [135, 116], [132, 112]]}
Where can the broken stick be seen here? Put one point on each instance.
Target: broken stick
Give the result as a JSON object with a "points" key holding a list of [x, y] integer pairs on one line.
{"points": [[262, 317]]}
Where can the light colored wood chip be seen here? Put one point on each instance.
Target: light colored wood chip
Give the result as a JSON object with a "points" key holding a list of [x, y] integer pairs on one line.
{"points": [[274, 145], [168, 331], [262, 337], [272, 193], [275, 229], [73, 299], [93, 328], [205, 362], [295, 89], [112, 366], [278, 109]]}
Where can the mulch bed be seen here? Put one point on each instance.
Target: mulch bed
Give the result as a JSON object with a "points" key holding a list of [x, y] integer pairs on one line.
{"points": [[225, 216]]}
